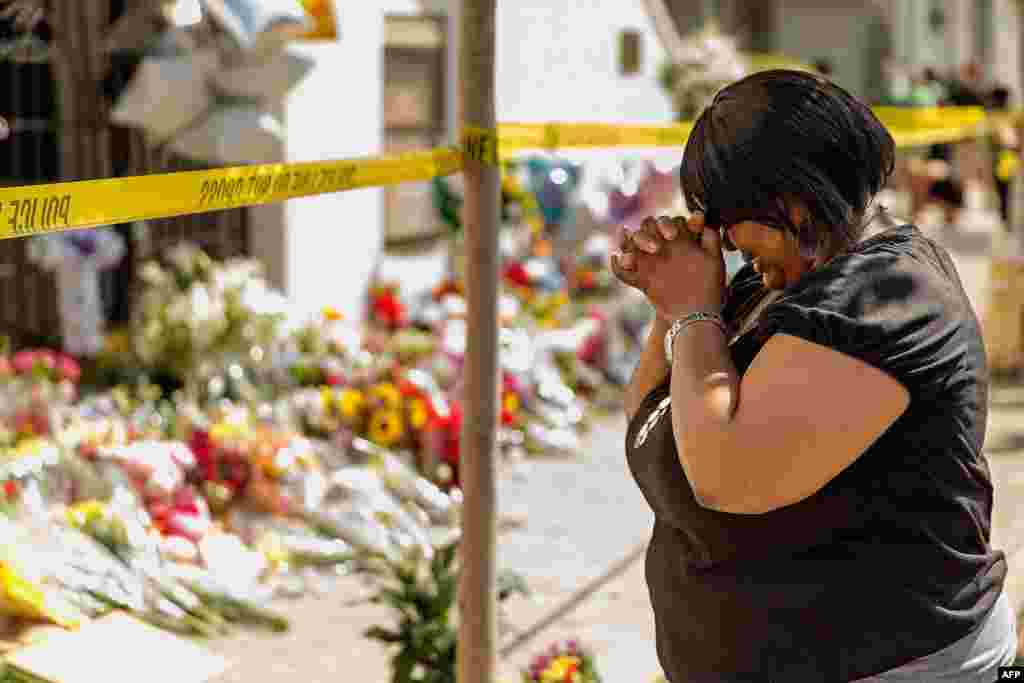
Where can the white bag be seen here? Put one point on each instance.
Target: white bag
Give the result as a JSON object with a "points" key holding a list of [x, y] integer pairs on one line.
{"points": [[166, 94], [233, 134], [270, 79]]}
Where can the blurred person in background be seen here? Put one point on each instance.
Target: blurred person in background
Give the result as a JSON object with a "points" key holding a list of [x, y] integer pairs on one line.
{"points": [[1005, 151], [810, 435], [967, 89], [945, 182]]}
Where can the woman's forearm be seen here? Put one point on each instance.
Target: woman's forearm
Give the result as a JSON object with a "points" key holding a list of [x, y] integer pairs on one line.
{"points": [[650, 372], [705, 396]]}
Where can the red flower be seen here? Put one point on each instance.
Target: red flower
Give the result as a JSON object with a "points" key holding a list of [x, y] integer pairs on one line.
{"points": [[202, 449], [516, 273], [185, 501], [452, 432], [10, 488], [333, 379], [389, 310]]}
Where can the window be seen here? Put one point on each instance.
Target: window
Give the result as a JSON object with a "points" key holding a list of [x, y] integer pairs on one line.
{"points": [[415, 61]]}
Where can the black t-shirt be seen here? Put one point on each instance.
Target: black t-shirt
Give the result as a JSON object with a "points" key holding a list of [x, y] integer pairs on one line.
{"points": [[891, 560]]}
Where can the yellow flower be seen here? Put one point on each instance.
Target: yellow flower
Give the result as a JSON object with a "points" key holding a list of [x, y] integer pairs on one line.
{"points": [[1007, 166], [386, 428], [511, 402], [84, 513], [559, 669], [332, 314], [388, 394], [327, 400], [224, 431], [418, 414], [351, 403]]}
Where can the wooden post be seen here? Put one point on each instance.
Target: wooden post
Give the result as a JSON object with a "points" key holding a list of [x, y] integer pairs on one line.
{"points": [[477, 659]]}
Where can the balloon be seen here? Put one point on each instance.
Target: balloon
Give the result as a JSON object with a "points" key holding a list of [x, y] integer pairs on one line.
{"points": [[553, 182]]}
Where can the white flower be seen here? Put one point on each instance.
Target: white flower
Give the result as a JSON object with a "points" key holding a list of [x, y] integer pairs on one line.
{"points": [[152, 275], [179, 311], [183, 256]]}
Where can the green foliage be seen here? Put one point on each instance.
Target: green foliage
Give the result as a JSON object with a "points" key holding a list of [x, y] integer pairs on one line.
{"points": [[424, 597]]}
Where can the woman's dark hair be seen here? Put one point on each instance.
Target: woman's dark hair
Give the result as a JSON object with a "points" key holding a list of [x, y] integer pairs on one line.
{"points": [[782, 136]]}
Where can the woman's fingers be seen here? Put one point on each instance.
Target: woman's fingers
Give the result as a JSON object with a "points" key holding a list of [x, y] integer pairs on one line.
{"points": [[647, 238], [668, 228], [627, 275]]}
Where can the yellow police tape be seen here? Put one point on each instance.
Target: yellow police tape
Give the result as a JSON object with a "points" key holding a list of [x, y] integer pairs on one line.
{"points": [[39, 209]]}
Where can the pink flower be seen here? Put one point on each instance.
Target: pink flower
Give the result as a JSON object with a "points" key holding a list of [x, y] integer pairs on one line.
{"points": [[47, 358], [24, 361], [68, 368]]}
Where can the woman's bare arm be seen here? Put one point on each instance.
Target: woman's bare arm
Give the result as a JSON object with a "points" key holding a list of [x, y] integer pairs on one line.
{"points": [[650, 372]]}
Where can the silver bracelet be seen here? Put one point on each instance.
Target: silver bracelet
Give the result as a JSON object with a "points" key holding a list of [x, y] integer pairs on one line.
{"points": [[686, 321]]}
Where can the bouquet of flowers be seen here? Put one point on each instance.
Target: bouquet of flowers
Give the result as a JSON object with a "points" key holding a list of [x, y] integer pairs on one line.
{"points": [[564, 662], [32, 383], [319, 352], [194, 312]]}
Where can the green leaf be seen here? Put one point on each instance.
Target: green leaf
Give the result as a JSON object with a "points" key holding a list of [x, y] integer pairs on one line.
{"points": [[403, 664]]}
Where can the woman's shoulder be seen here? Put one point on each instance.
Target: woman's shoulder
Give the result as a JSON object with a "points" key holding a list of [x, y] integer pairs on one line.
{"points": [[898, 266], [895, 301]]}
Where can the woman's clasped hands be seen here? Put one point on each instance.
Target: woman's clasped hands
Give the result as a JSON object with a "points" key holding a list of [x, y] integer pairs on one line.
{"points": [[677, 262]]}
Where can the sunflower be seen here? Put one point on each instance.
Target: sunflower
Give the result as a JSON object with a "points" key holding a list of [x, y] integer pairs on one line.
{"points": [[350, 403], [419, 414], [388, 395], [386, 427], [327, 400]]}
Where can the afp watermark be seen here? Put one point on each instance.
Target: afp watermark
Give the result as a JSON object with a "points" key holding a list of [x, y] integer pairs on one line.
{"points": [[1011, 673]]}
